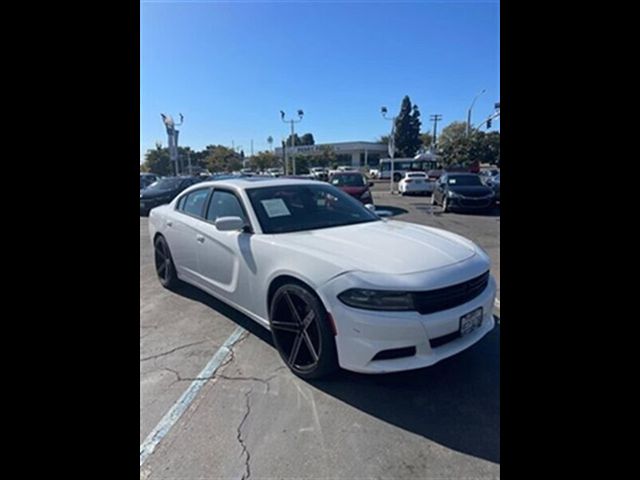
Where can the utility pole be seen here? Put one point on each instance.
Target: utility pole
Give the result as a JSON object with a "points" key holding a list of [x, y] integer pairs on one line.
{"points": [[435, 118], [292, 121]]}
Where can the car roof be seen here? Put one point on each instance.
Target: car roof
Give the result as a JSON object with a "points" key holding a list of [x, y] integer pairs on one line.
{"points": [[257, 182]]}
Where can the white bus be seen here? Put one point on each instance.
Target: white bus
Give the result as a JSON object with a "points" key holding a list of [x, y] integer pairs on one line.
{"points": [[404, 165]]}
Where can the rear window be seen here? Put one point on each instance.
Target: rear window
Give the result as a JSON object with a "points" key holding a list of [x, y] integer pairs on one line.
{"points": [[416, 175], [193, 203]]}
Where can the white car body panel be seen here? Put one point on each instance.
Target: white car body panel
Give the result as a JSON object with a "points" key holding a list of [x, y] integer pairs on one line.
{"points": [[238, 267]]}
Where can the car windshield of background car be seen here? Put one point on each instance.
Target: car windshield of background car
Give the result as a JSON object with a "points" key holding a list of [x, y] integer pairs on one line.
{"points": [[464, 180], [165, 184], [348, 181]]}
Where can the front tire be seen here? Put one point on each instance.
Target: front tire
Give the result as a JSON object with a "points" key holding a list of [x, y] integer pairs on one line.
{"points": [[165, 268], [445, 204], [301, 333]]}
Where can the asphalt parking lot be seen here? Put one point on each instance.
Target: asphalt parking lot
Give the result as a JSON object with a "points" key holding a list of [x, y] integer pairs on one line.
{"points": [[254, 419]]}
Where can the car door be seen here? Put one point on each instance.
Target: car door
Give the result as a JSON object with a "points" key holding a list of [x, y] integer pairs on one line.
{"points": [[183, 230], [225, 259]]}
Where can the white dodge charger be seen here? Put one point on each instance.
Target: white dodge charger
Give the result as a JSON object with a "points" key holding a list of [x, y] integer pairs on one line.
{"points": [[335, 284]]}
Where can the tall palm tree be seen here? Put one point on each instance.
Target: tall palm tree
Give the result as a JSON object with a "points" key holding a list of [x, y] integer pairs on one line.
{"points": [[270, 142]]}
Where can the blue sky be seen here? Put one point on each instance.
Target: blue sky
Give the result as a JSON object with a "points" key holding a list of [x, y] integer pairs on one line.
{"points": [[230, 67]]}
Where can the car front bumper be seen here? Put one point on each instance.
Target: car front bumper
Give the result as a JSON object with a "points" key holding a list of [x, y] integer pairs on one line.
{"points": [[362, 334], [467, 203]]}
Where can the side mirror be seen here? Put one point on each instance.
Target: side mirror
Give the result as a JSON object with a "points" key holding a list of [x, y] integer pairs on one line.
{"points": [[371, 184], [228, 224], [370, 206]]}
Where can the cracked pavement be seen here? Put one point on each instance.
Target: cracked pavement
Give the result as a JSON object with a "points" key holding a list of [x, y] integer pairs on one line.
{"points": [[253, 419]]}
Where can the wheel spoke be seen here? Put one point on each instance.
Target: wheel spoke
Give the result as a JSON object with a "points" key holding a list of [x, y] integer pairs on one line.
{"points": [[308, 319], [167, 267], [292, 307], [295, 349], [310, 347], [161, 268], [286, 326]]}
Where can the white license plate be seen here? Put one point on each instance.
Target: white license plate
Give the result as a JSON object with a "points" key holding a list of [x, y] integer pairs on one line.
{"points": [[470, 321]]}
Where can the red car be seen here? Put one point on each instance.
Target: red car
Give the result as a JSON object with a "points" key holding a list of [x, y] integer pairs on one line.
{"points": [[353, 183]]}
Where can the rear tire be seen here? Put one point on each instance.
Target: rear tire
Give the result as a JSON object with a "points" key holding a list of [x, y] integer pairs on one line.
{"points": [[165, 268]]}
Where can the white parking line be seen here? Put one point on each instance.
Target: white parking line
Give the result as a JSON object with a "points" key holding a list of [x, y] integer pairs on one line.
{"points": [[171, 417], [496, 302]]}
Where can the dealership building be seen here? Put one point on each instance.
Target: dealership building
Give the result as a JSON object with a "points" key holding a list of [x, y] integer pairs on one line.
{"points": [[356, 154]]}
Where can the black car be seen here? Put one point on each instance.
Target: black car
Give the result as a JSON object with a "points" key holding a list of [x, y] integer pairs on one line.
{"points": [[163, 191], [462, 191]]}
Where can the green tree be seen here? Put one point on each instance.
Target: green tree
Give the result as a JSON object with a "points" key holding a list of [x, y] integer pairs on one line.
{"points": [[407, 129], [263, 160], [383, 139], [324, 158], [307, 139], [296, 140], [426, 139], [460, 149], [158, 161], [452, 133], [222, 159]]}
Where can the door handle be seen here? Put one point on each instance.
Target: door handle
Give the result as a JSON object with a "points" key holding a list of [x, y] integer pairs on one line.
{"points": [[200, 238], [169, 223]]}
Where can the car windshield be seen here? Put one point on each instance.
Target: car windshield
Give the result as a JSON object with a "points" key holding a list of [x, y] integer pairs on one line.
{"points": [[348, 180], [165, 184], [293, 208], [464, 180]]}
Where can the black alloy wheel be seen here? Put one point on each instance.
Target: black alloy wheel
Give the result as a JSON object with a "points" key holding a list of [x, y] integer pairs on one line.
{"points": [[165, 268], [301, 332]]}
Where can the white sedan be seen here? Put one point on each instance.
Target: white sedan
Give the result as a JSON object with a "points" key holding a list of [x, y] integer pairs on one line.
{"points": [[416, 183], [295, 256]]}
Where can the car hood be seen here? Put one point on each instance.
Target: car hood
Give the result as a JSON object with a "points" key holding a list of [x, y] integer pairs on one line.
{"points": [[471, 190], [354, 190], [151, 194], [390, 247]]}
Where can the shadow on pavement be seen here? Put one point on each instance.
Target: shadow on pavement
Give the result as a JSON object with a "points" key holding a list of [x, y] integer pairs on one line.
{"points": [[437, 210], [455, 403], [393, 210]]}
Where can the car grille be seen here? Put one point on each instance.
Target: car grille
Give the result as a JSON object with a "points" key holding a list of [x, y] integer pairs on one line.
{"points": [[474, 202], [431, 301]]}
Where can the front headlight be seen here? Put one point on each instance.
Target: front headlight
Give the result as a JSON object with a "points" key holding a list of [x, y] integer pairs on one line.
{"points": [[452, 194], [377, 299]]}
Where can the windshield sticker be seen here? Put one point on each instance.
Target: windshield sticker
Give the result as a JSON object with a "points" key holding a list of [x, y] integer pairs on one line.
{"points": [[275, 207]]}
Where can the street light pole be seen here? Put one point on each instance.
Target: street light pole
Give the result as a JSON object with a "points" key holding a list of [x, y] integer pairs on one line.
{"points": [[469, 112], [392, 144], [292, 121]]}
